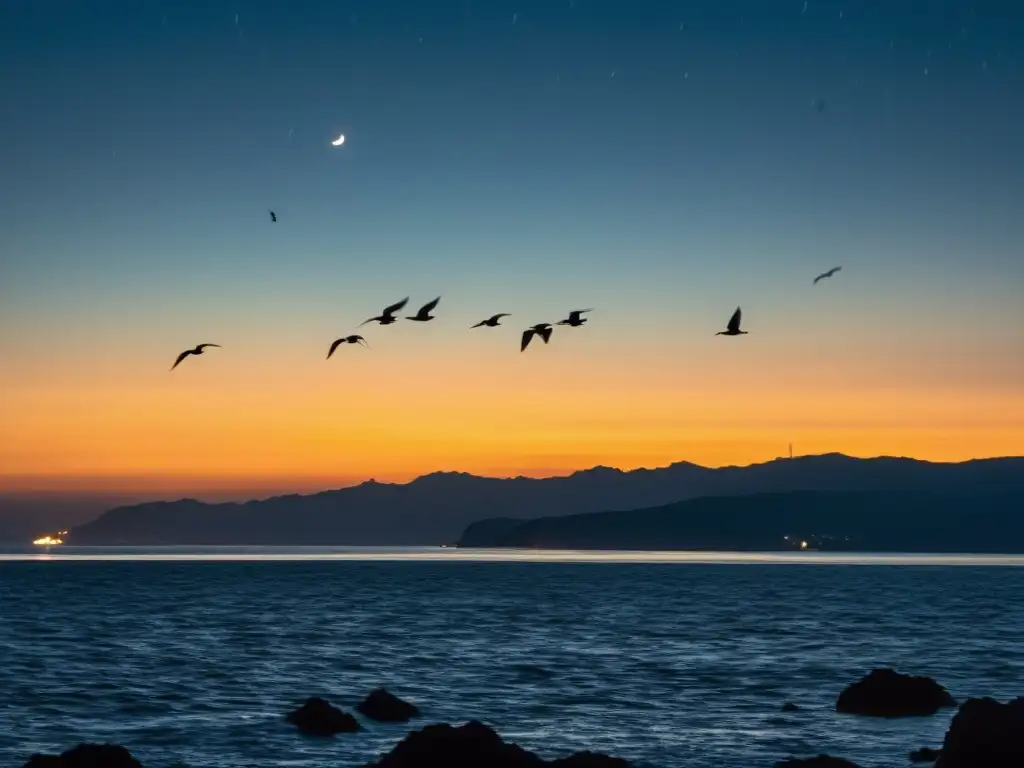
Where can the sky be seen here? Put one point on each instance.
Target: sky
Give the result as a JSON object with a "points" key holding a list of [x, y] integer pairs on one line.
{"points": [[660, 162]]}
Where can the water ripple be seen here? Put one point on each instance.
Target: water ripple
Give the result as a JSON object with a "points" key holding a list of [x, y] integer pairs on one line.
{"points": [[193, 663]]}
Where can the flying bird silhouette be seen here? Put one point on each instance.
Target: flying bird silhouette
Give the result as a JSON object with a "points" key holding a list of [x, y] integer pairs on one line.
{"points": [[575, 318], [540, 329], [492, 321], [197, 351], [823, 275], [424, 314], [387, 317], [353, 339], [273, 216], [733, 329]]}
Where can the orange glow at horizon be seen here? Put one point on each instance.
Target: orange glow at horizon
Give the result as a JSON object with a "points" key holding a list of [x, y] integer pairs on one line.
{"points": [[275, 430]]}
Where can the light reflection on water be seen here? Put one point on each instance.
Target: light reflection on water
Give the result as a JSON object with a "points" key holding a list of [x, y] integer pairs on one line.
{"points": [[253, 553]]}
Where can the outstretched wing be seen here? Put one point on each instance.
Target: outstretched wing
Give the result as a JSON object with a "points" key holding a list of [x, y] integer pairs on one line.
{"points": [[201, 347], [367, 321], [734, 321], [527, 338], [334, 345], [181, 357], [396, 307], [358, 340], [482, 322], [500, 315], [545, 333], [576, 313], [819, 277], [426, 308]]}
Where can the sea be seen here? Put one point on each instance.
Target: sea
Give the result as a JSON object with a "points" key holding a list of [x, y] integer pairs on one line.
{"points": [[192, 656]]}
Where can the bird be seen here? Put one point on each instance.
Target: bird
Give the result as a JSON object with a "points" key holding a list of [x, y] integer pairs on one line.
{"points": [[387, 317], [540, 329], [491, 322], [273, 216], [575, 318], [819, 105], [353, 339], [197, 351], [733, 329], [823, 275], [424, 314]]}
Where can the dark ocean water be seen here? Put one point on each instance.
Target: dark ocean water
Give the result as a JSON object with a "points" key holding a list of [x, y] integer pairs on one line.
{"points": [[195, 662]]}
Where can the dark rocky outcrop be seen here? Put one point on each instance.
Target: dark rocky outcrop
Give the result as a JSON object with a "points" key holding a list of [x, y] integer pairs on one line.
{"points": [[821, 761], [474, 745], [985, 733], [385, 707], [924, 755], [318, 717], [888, 693], [789, 706], [87, 756]]}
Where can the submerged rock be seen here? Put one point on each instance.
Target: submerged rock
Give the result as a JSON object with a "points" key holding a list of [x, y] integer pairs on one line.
{"points": [[789, 706], [821, 761], [384, 707], [985, 733], [888, 693], [87, 756], [924, 755], [474, 745], [318, 717]]}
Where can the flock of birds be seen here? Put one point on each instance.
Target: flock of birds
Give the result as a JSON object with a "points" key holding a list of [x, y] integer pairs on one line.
{"points": [[389, 316]]}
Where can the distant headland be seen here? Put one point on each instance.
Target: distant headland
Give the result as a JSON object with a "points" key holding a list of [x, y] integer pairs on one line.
{"points": [[831, 501]]}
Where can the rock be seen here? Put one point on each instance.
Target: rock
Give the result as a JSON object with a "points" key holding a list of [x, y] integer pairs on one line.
{"points": [[985, 734], [87, 756], [924, 755], [821, 761], [887, 693], [384, 707], [789, 706], [474, 745], [318, 717]]}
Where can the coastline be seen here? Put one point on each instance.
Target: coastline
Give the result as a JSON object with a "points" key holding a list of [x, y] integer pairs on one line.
{"points": [[213, 553]]}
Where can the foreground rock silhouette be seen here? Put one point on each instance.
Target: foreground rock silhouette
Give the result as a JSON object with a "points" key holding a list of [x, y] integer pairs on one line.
{"points": [[385, 707], [924, 755], [985, 733], [821, 761], [888, 693], [87, 756], [318, 717], [474, 745]]}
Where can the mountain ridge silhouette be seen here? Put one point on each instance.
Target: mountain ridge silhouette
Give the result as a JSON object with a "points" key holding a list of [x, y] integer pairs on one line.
{"points": [[437, 507]]}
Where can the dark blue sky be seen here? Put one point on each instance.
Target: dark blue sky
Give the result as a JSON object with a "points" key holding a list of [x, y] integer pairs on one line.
{"points": [[662, 161]]}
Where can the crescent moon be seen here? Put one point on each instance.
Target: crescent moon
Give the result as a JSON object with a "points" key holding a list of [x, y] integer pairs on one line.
{"points": [[338, 141]]}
